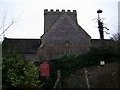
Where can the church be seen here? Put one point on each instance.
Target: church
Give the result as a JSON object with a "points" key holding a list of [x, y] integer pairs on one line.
{"points": [[62, 35]]}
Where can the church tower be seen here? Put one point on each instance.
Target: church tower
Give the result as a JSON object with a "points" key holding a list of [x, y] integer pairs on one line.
{"points": [[50, 17]]}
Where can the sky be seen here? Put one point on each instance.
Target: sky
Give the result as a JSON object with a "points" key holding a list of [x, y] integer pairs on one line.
{"points": [[119, 16], [30, 16]]}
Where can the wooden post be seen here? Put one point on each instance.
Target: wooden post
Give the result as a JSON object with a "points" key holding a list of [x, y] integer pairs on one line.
{"points": [[59, 77], [86, 77], [58, 81]]}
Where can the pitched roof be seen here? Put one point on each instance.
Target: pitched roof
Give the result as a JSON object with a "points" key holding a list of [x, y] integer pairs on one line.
{"points": [[25, 46]]}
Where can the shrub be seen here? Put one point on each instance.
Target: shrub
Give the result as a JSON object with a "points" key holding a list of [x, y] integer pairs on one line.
{"points": [[18, 73]]}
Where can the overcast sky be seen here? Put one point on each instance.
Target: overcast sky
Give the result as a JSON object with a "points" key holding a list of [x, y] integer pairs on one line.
{"points": [[30, 23]]}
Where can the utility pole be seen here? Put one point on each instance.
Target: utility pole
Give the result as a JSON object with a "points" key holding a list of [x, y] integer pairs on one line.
{"points": [[100, 25]]}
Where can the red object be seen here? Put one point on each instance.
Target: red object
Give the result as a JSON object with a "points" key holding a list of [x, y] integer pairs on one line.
{"points": [[44, 69]]}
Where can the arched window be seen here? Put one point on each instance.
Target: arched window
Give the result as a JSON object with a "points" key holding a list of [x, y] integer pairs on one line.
{"points": [[67, 43], [68, 48]]}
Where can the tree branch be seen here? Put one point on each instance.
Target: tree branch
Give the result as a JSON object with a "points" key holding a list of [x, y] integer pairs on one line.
{"points": [[2, 25], [7, 28]]}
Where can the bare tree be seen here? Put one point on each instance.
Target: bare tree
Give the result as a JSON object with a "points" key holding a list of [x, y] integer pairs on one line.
{"points": [[116, 38], [4, 27]]}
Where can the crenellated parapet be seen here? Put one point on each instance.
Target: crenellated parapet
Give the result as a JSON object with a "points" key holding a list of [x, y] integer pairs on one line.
{"points": [[51, 16], [57, 11]]}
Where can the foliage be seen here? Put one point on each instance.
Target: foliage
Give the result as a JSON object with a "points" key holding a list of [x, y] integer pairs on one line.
{"points": [[32, 76], [68, 64], [16, 73], [105, 54]]}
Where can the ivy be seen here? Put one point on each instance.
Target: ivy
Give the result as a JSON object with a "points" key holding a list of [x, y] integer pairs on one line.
{"points": [[68, 64]]}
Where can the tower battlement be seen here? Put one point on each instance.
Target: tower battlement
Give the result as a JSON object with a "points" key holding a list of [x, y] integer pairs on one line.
{"points": [[51, 16], [57, 11]]}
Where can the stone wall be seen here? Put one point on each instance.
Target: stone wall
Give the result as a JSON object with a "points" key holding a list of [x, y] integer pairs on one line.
{"points": [[48, 52]]}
